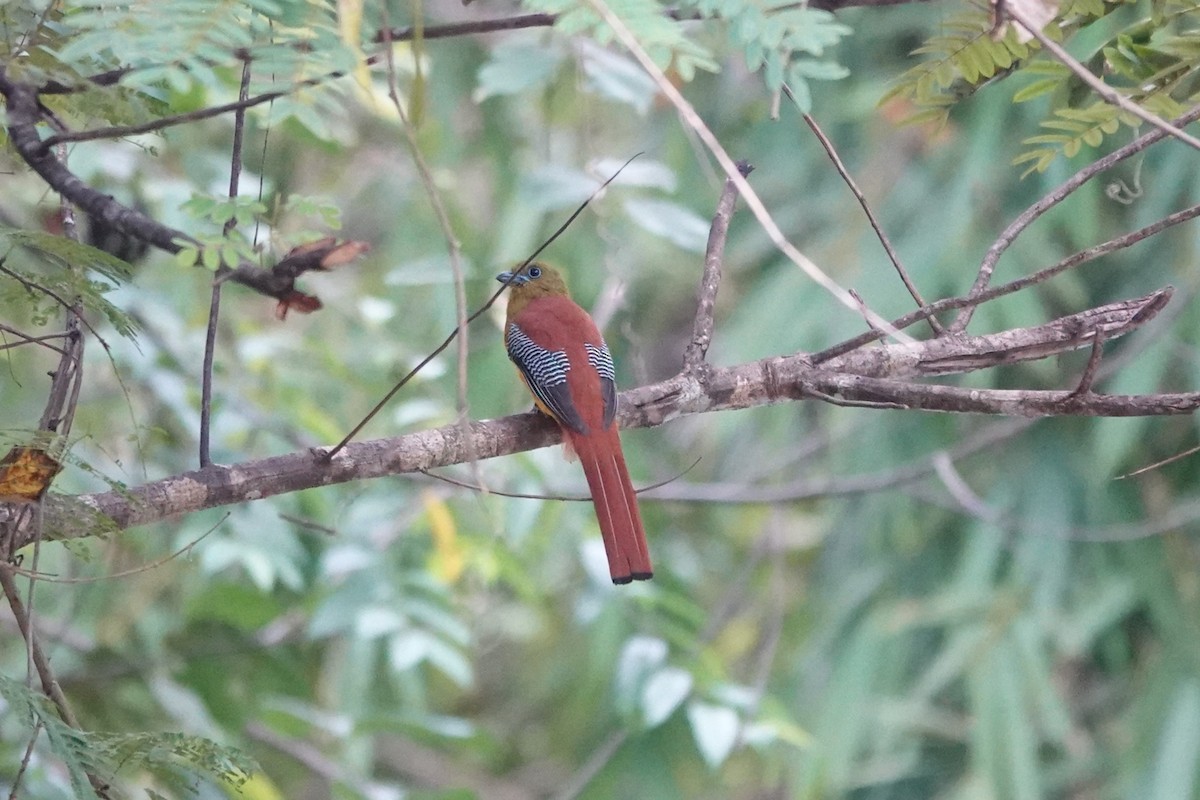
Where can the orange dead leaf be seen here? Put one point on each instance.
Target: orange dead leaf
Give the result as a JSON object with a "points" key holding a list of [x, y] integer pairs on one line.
{"points": [[344, 253], [298, 301], [304, 249], [25, 474]]}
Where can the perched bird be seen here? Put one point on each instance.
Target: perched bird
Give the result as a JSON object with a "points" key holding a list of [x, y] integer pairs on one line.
{"points": [[567, 367]]}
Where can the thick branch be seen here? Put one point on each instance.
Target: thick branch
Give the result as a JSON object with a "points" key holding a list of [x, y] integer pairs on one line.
{"points": [[23, 116], [958, 354], [714, 254], [771, 380]]}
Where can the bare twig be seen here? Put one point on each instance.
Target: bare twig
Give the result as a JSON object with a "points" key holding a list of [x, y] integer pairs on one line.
{"points": [[214, 307], [578, 782], [1093, 364], [328, 456], [453, 245], [1106, 92], [718, 232], [958, 488], [187, 548], [1051, 199], [866, 207], [578, 498], [27, 339], [808, 487], [16, 781], [1042, 275], [697, 124], [171, 120], [1160, 463]]}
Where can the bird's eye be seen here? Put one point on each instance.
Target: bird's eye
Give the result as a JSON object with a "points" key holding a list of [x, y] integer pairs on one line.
{"points": [[535, 272]]}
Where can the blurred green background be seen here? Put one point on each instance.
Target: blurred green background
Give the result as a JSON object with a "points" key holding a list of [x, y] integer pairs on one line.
{"points": [[1010, 621]]}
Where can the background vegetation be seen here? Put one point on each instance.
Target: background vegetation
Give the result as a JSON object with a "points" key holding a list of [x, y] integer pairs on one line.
{"points": [[965, 606]]}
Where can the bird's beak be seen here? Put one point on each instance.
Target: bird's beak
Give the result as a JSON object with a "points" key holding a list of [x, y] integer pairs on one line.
{"points": [[512, 280]]}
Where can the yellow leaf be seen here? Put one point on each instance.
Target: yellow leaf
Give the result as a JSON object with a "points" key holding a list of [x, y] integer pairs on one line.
{"points": [[259, 787], [25, 474], [448, 558], [350, 17]]}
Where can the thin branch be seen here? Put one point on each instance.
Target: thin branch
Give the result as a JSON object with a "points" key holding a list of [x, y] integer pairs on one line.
{"points": [[810, 487], [710, 282], [53, 295], [1051, 199], [1160, 463], [453, 245], [970, 302], [697, 124], [478, 312], [49, 683], [214, 306], [171, 120], [454, 29], [600, 757], [960, 491], [125, 573], [1093, 364], [27, 339], [866, 207], [1106, 92], [577, 498], [41, 664], [23, 115], [25, 759]]}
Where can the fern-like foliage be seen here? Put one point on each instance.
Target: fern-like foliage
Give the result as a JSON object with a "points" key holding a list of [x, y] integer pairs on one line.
{"points": [[1073, 128], [71, 272], [167, 49], [177, 762], [1155, 62], [787, 41], [960, 58], [663, 37]]}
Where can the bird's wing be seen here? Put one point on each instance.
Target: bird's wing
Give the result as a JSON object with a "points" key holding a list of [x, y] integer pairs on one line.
{"points": [[545, 372], [601, 361]]}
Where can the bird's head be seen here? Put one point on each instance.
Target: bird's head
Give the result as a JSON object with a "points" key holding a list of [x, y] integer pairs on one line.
{"points": [[536, 280]]}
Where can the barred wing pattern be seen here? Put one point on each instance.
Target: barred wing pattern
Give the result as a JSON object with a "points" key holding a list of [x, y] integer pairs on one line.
{"points": [[601, 360], [545, 372]]}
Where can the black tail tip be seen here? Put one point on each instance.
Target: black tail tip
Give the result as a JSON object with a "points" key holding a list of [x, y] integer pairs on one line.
{"points": [[634, 576]]}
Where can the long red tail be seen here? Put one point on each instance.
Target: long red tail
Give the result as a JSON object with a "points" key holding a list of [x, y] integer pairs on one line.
{"points": [[616, 504]]}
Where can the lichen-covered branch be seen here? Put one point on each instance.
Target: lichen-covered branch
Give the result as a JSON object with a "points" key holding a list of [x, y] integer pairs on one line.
{"points": [[869, 376]]}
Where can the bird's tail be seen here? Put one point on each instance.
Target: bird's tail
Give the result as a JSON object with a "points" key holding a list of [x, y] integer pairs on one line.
{"points": [[616, 504]]}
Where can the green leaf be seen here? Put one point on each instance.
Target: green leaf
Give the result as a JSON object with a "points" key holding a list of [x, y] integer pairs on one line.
{"points": [[70, 252], [1038, 88], [715, 729], [516, 67], [1175, 767], [664, 692], [210, 257], [617, 77], [679, 225], [176, 759], [818, 70], [187, 257]]}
